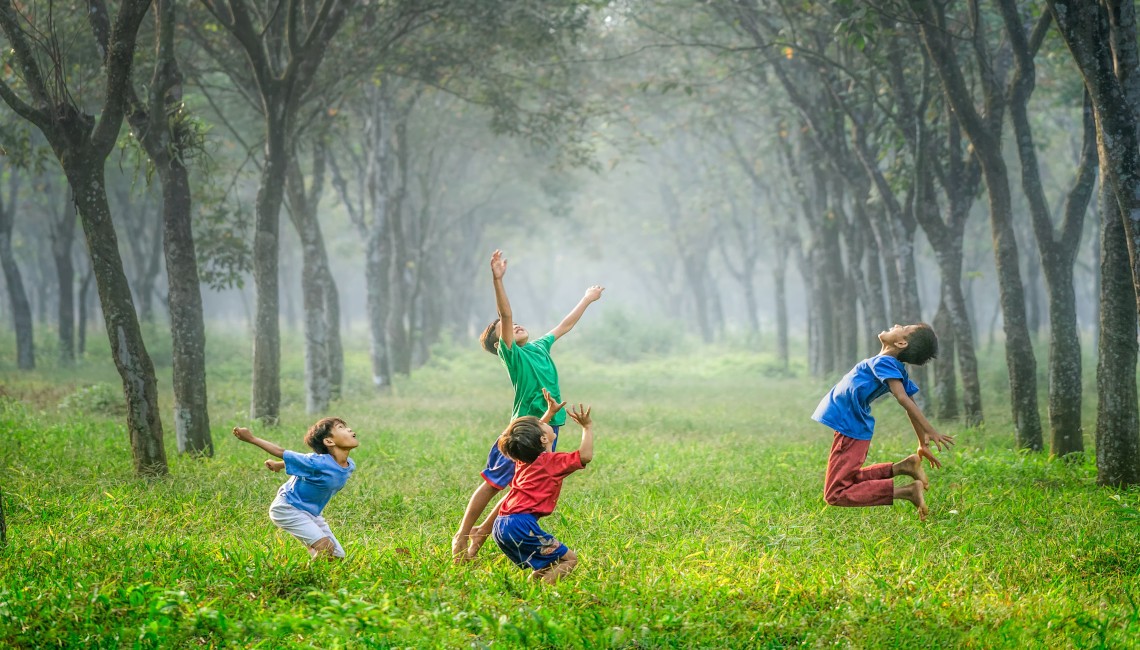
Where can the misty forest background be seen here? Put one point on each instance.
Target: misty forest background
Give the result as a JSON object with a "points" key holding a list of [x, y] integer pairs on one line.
{"points": [[269, 211]]}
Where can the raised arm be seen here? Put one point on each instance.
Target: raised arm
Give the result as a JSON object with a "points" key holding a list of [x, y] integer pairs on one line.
{"points": [[581, 415], [922, 427], [506, 319], [571, 319], [245, 435]]}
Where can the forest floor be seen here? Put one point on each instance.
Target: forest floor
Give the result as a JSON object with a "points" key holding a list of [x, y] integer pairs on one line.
{"points": [[700, 523]]}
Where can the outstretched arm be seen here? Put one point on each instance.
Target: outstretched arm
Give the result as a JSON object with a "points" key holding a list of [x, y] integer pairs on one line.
{"points": [[245, 435], [922, 427], [592, 295], [506, 319], [581, 415]]}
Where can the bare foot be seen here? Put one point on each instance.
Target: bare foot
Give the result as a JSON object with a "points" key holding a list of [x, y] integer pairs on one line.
{"points": [[912, 466], [913, 492], [477, 537]]}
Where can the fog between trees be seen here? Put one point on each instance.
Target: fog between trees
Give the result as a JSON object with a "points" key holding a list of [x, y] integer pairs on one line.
{"points": [[783, 176]]}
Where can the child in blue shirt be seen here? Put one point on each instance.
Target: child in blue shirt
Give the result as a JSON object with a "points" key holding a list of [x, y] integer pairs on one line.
{"points": [[313, 480], [846, 409]]}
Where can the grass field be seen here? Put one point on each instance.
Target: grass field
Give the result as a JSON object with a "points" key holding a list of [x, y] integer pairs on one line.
{"points": [[700, 522]]}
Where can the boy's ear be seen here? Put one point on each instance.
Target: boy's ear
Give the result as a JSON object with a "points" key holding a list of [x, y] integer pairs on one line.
{"points": [[902, 343]]}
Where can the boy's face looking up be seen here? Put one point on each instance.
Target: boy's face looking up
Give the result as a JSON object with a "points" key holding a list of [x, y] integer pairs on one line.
{"points": [[521, 335], [341, 436], [897, 335]]}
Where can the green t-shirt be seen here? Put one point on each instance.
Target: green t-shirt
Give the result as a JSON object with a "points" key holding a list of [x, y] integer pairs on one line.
{"points": [[531, 369]]}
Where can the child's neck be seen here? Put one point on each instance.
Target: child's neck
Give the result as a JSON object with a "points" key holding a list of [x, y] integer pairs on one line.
{"points": [[340, 455], [889, 350]]}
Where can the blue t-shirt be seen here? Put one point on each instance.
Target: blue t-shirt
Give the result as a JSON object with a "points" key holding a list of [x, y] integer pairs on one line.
{"points": [[847, 406], [315, 478]]}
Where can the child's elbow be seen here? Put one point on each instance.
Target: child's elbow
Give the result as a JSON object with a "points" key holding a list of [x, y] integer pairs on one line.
{"points": [[586, 457]]}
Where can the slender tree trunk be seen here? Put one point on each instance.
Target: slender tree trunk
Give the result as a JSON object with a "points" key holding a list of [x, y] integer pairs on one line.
{"points": [[1117, 421], [332, 333], [266, 385], [376, 280], [779, 278], [84, 310], [128, 349], [17, 296], [62, 236], [945, 379], [187, 323]]}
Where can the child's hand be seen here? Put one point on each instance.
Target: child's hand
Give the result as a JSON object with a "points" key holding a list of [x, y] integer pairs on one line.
{"points": [[243, 434], [274, 465], [924, 452], [940, 441], [552, 407], [594, 293], [581, 415], [498, 265]]}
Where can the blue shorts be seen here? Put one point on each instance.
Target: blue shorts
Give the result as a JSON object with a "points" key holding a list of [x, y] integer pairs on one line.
{"points": [[500, 469], [527, 545]]}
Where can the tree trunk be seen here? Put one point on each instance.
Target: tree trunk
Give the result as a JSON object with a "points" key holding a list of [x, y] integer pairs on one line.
{"points": [[1018, 347], [1117, 420], [17, 296], [266, 385], [84, 309], [945, 379], [376, 280], [334, 346], [128, 349], [187, 324], [779, 278], [62, 236]]}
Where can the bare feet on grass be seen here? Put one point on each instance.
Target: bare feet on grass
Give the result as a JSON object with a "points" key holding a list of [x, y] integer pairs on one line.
{"points": [[912, 466], [913, 492]]}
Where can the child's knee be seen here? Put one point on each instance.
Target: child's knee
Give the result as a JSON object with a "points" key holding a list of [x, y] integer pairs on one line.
{"points": [[832, 497]]}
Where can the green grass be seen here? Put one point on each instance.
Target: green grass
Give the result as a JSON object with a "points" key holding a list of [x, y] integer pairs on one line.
{"points": [[700, 523]]}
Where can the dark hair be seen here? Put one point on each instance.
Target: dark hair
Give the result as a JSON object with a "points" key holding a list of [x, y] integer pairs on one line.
{"points": [[489, 339], [522, 439], [315, 438], [921, 346]]}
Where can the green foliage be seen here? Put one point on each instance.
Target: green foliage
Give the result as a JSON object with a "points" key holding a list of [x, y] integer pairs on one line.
{"points": [[699, 524], [96, 399], [624, 336]]}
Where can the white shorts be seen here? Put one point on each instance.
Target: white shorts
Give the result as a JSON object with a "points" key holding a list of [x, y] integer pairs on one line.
{"points": [[306, 527]]}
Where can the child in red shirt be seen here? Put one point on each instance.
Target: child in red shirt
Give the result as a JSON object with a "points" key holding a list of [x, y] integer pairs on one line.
{"points": [[539, 472]]}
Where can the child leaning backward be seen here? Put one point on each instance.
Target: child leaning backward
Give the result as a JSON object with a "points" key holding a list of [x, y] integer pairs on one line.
{"points": [[531, 370], [534, 492], [313, 480], [847, 410]]}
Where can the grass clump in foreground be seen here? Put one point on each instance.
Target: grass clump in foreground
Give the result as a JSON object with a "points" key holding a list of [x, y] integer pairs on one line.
{"points": [[701, 523]]}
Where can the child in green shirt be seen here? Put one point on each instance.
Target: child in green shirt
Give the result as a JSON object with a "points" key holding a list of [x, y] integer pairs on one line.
{"points": [[531, 371]]}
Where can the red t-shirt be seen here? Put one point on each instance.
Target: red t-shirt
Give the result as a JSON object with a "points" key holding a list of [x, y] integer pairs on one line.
{"points": [[535, 488]]}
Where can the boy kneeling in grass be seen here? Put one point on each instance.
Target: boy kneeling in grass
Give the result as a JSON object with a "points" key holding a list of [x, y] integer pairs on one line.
{"points": [[313, 480], [539, 472], [846, 409]]}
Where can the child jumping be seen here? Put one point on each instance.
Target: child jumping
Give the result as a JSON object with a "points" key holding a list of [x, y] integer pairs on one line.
{"points": [[313, 480], [531, 370], [534, 493], [846, 409]]}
